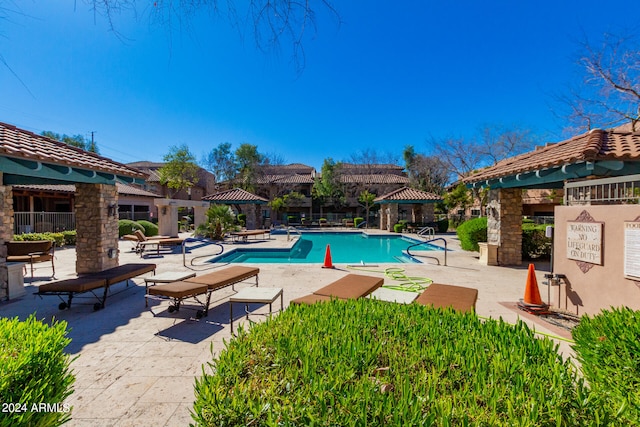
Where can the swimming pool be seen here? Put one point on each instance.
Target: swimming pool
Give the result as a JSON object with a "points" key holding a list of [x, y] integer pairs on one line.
{"points": [[346, 248]]}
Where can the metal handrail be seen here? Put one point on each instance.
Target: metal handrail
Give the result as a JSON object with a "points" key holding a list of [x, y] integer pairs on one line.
{"points": [[184, 251], [427, 231], [429, 241], [292, 228]]}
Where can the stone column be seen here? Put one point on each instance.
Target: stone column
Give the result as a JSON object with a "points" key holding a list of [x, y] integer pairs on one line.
{"points": [[428, 214], [251, 216], [504, 224], [96, 227], [383, 216], [6, 234], [416, 212], [393, 216], [257, 209]]}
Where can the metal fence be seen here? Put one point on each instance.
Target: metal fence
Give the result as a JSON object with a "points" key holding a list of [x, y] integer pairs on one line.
{"points": [[619, 190], [42, 222]]}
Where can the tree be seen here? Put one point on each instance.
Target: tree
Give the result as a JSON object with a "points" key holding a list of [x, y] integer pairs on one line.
{"points": [[221, 162], [327, 189], [248, 160], [78, 141], [180, 171], [610, 90], [427, 173], [459, 198], [278, 204], [220, 220], [366, 199], [270, 21]]}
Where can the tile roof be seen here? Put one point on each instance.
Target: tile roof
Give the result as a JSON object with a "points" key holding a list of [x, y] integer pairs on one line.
{"points": [[236, 195], [596, 144], [286, 179], [406, 194], [355, 167], [21, 144], [288, 169], [71, 188], [373, 178]]}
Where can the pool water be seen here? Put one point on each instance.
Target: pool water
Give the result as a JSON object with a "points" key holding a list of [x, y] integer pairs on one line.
{"points": [[346, 248]]}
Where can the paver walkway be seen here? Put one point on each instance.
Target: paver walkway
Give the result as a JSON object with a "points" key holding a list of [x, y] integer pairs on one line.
{"points": [[137, 366]]}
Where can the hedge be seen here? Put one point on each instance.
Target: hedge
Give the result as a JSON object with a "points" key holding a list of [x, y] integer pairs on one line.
{"points": [[150, 229], [127, 226], [535, 244], [34, 370], [471, 232], [62, 238], [608, 348], [368, 362]]}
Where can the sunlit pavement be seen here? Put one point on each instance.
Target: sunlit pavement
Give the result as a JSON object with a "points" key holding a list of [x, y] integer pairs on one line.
{"points": [[137, 366]]}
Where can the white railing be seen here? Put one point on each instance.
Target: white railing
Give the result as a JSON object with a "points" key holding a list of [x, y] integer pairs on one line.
{"points": [[42, 222], [618, 190]]}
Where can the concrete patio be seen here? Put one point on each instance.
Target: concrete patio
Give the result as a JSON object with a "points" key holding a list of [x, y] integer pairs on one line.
{"points": [[137, 366]]}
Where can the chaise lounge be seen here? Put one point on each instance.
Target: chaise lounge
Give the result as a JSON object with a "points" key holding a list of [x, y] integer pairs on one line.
{"points": [[194, 287], [31, 252], [93, 282], [142, 241], [442, 296], [351, 286]]}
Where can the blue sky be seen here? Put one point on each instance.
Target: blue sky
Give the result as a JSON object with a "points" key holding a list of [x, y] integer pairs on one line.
{"points": [[391, 74]]}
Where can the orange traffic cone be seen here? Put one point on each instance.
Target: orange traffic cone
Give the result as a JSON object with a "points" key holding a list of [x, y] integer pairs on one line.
{"points": [[327, 258], [531, 291]]}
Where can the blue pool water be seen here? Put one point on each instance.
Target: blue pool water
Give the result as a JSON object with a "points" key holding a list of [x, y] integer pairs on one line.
{"points": [[346, 248]]}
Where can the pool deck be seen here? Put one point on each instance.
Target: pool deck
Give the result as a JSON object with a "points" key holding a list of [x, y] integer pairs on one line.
{"points": [[137, 366]]}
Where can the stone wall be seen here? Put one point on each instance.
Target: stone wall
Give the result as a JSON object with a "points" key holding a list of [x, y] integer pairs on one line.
{"points": [[6, 233], [504, 222], [97, 227]]}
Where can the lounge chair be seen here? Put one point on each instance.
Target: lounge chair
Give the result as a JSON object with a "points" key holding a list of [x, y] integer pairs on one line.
{"points": [[142, 241], [200, 285], [442, 296], [93, 282], [31, 252], [244, 234], [351, 286]]}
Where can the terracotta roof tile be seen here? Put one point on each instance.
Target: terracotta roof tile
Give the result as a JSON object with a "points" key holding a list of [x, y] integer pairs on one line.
{"points": [[406, 194], [286, 179], [373, 179], [594, 145], [18, 143], [236, 195], [71, 188]]}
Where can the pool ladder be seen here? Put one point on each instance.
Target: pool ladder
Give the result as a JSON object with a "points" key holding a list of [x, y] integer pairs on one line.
{"points": [[204, 241], [292, 229], [426, 256]]}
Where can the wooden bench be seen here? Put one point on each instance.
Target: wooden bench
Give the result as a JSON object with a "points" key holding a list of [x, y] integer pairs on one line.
{"points": [[31, 252], [351, 286], [243, 235], [442, 296], [92, 282]]}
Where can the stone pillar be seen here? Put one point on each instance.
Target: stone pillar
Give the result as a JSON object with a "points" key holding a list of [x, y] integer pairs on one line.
{"points": [[428, 214], [416, 212], [257, 209], [168, 219], [383, 216], [504, 224], [96, 227], [6, 234], [393, 216], [251, 216]]}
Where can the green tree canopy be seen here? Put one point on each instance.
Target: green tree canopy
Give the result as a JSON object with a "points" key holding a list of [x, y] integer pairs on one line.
{"points": [[180, 171], [248, 160]]}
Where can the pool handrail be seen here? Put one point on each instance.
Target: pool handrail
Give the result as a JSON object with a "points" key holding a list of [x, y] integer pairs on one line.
{"points": [[292, 228], [184, 250], [429, 241]]}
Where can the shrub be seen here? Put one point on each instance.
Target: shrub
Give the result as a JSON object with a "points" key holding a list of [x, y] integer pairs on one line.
{"points": [[471, 232], [126, 226], [149, 228], [443, 225], [357, 221], [368, 362], [69, 237], [34, 369], [398, 228], [535, 244], [608, 349], [58, 238], [242, 219]]}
